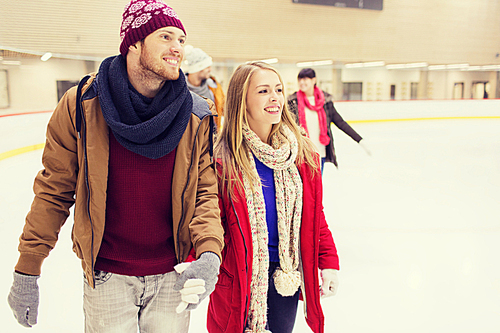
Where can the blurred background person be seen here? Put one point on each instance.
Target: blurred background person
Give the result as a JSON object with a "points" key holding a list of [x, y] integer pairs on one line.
{"points": [[314, 111], [197, 66]]}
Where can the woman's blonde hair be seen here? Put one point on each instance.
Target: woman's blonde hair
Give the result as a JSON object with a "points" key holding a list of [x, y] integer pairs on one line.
{"points": [[231, 148]]}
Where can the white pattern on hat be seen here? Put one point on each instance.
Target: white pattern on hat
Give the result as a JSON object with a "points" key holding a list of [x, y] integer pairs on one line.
{"points": [[170, 12], [126, 22], [136, 6], [153, 6], [143, 19]]}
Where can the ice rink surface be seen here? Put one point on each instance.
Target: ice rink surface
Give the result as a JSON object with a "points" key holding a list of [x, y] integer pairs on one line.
{"points": [[417, 227]]}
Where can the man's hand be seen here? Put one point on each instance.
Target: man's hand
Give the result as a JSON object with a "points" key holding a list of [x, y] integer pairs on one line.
{"points": [[23, 299]]}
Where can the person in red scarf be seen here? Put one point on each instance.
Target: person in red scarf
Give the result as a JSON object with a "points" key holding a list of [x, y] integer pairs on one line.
{"points": [[314, 111]]}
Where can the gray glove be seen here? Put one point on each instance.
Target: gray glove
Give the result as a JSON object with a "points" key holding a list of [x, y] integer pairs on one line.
{"points": [[206, 268], [23, 299]]}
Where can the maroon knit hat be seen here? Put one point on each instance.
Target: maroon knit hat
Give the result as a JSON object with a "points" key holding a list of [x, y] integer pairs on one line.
{"points": [[142, 17]]}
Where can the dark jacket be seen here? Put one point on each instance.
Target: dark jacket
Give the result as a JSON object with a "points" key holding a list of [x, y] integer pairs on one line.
{"points": [[229, 303], [76, 172], [332, 116]]}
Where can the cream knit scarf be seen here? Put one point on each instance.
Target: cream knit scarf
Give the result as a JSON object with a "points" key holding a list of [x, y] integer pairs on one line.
{"points": [[281, 158]]}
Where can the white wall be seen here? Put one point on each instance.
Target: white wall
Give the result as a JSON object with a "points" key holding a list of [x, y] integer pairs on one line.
{"points": [[362, 111], [33, 84], [377, 81], [457, 76]]}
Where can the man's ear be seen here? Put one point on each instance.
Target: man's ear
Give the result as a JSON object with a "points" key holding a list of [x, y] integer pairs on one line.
{"points": [[134, 48]]}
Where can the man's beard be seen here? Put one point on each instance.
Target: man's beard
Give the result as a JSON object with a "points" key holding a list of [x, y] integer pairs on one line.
{"points": [[152, 69]]}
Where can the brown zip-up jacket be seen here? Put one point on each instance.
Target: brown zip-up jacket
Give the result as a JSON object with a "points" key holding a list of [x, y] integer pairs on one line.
{"points": [[76, 172]]}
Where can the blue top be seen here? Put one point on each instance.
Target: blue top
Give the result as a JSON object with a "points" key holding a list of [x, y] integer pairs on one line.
{"points": [[266, 175]]}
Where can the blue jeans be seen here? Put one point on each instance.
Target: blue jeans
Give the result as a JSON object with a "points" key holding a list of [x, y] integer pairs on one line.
{"points": [[281, 310], [128, 304], [322, 164]]}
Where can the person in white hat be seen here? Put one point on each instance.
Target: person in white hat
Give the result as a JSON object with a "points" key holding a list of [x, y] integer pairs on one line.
{"points": [[197, 66]]}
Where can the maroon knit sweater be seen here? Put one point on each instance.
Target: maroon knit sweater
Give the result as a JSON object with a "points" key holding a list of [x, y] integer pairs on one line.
{"points": [[138, 238]]}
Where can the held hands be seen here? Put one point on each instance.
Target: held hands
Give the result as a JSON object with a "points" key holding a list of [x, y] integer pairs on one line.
{"points": [[23, 299], [330, 283], [363, 145], [197, 280]]}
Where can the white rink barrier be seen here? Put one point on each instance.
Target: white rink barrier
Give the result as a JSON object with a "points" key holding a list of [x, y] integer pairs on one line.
{"points": [[417, 109]]}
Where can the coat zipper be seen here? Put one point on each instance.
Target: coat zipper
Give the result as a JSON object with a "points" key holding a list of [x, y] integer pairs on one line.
{"points": [[246, 261], [87, 183]]}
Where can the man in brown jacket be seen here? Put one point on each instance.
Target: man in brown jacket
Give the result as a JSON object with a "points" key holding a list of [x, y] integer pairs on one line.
{"points": [[133, 153]]}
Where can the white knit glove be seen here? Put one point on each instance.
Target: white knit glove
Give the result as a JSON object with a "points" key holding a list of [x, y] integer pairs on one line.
{"points": [[196, 280], [330, 282], [363, 145], [192, 289]]}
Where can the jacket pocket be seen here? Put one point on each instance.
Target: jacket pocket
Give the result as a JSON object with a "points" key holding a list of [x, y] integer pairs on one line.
{"points": [[221, 300]]}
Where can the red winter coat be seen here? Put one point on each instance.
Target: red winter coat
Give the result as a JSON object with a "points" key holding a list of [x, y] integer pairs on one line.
{"points": [[229, 303]]}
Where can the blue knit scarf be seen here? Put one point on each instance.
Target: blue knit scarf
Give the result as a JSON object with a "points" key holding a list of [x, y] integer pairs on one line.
{"points": [[151, 127]]}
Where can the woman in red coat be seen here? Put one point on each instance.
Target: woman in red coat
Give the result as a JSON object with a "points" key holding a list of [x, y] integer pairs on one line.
{"points": [[270, 190]]}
